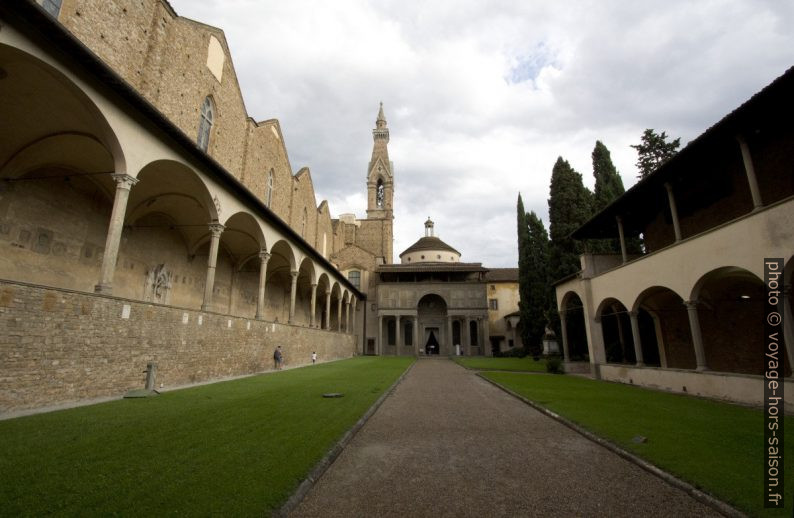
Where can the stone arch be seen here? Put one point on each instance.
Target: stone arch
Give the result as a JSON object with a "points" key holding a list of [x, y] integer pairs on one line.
{"points": [[575, 332], [663, 323], [57, 154], [616, 330], [336, 296], [36, 87], [303, 295], [278, 289], [730, 307], [323, 287], [431, 309], [242, 240]]}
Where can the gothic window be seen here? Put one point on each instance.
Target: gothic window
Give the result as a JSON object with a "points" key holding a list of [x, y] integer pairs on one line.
{"points": [[354, 276], [269, 191], [303, 223], [52, 6], [493, 304], [391, 332], [409, 333], [379, 193], [473, 334], [205, 123]]}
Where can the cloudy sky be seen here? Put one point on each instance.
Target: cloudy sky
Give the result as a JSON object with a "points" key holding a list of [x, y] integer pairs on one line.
{"points": [[481, 97]]}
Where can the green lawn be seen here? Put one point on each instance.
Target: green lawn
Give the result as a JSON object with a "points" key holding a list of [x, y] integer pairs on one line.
{"points": [[238, 448], [715, 446], [502, 364]]}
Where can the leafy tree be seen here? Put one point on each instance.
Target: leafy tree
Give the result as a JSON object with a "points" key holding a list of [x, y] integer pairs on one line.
{"points": [[653, 151], [570, 205]]}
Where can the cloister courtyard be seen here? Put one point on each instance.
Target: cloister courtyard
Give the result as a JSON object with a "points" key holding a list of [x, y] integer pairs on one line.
{"points": [[408, 438]]}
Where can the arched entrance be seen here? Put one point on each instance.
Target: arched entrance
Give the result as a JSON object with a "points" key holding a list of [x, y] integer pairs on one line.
{"points": [[432, 315]]}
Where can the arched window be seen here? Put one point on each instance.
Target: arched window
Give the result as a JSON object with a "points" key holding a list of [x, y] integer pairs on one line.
{"points": [[354, 276], [303, 223], [379, 193], [269, 190], [205, 123]]}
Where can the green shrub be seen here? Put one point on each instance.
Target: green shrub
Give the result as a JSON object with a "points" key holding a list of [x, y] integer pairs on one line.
{"points": [[554, 365]]}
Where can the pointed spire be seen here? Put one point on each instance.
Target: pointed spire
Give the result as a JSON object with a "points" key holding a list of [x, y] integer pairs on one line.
{"points": [[381, 117]]}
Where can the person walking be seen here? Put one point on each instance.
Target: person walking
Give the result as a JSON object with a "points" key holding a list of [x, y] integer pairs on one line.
{"points": [[314, 357], [278, 358]]}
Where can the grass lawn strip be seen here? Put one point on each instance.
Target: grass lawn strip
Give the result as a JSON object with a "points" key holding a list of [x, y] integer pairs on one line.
{"points": [[526, 364], [234, 448], [717, 447]]}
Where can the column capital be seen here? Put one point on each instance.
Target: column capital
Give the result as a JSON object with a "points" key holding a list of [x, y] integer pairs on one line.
{"points": [[264, 256], [294, 274], [691, 304], [668, 187], [619, 219], [123, 180], [634, 313], [216, 229], [314, 285]]}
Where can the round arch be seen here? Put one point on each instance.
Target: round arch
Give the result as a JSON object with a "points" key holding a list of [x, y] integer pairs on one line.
{"points": [[730, 307], [616, 331], [663, 324], [431, 310], [572, 312]]}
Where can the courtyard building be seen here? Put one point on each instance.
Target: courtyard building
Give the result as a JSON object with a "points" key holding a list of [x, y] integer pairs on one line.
{"points": [[687, 315]]}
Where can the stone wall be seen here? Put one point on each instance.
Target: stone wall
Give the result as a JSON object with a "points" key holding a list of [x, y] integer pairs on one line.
{"points": [[61, 346]]}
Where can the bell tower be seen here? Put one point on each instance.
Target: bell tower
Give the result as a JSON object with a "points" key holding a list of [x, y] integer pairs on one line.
{"points": [[380, 184]]}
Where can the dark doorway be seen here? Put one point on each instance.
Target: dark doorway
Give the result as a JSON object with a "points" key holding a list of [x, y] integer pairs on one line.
{"points": [[431, 347]]}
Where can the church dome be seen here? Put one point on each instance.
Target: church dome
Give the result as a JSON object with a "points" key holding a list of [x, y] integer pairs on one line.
{"points": [[429, 249]]}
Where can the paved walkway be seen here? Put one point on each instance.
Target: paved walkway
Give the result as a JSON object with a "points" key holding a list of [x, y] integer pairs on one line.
{"points": [[447, 443]]}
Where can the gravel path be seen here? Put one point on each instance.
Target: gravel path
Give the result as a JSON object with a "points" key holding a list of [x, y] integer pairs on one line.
{"points": [[447, 443]]}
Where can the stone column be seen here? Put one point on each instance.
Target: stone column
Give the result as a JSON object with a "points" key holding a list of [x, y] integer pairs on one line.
{"points": [[379, 341], [416, 336], [293, 292], [635, 335], [697, 340], [750, 172], [450, 341], [347, 316], [264, 257], [622, 238], [566, 355], [312, 322], [328, 310], [673, 211], [339, 314], [215, 229], [397, 335], [464, 334], [484, 329], [124, 183], [353, 318]]}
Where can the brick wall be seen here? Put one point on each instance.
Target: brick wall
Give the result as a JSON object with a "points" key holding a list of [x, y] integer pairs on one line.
{"points": [[61, 346]]}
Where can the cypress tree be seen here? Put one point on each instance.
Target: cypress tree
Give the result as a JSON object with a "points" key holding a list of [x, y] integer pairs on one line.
{"points": [[539, 289], [570, 205], [524, 271], [608, 186]]}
